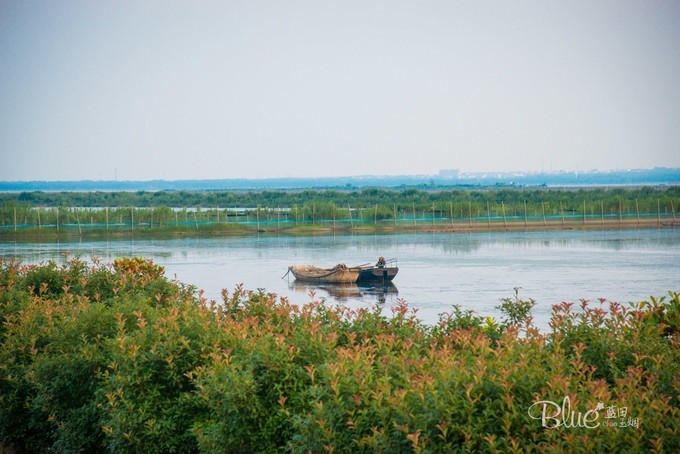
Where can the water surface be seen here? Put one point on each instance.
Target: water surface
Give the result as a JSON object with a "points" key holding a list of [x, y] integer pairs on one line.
{"points": [[436, 270]]}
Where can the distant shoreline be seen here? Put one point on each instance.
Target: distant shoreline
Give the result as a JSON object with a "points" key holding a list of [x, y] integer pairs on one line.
{"points": [[444, 179], [231, 230]]}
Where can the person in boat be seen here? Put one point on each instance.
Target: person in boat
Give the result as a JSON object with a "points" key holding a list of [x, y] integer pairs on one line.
{"points": [[381, 262]]}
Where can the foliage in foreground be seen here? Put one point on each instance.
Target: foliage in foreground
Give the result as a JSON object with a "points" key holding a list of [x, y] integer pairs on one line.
{"points": [[97, 358]]}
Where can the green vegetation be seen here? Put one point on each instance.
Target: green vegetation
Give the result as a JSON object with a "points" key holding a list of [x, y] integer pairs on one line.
{"points": [[38, 213], [97, 358], [326, 200]]}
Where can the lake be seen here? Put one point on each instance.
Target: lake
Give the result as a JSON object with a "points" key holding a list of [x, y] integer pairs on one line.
{"points": [[472, 270]]}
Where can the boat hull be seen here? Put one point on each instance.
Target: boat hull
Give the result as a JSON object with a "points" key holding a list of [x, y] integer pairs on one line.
{"points": [[336, 275], [377, 274]]}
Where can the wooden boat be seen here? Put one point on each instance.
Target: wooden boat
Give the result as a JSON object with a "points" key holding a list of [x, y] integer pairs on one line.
{"points": [[338, 274], [377, 274], [382, 272]]}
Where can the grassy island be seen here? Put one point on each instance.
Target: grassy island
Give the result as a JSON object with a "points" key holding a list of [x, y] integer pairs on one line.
{"points": [[38, 215]]}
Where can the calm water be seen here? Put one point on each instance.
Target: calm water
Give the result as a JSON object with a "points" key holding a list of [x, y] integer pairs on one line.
{"points": [[436, 270]]}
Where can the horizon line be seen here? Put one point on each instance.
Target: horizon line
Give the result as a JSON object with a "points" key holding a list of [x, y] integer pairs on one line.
{"points": [[456, 174]]}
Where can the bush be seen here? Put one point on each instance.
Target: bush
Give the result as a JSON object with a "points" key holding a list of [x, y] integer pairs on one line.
{"points": [[98, 358], [58, 325]]}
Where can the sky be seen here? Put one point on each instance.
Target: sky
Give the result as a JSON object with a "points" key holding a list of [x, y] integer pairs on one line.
{"points": [[142, 90]]}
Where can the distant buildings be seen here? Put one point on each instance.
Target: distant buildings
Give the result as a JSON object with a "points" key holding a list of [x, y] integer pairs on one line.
{"points": [[444, 178], [448, 173], [655, 176]]}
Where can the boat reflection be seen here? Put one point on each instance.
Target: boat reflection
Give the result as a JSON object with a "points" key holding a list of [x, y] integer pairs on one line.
{"points": [[346, 291]]}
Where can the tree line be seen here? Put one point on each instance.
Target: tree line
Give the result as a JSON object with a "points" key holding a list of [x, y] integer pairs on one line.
{"points": [[164, 207]]}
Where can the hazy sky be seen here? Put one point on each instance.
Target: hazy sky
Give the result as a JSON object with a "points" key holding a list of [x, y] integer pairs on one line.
{"points": [[179, 90]]}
